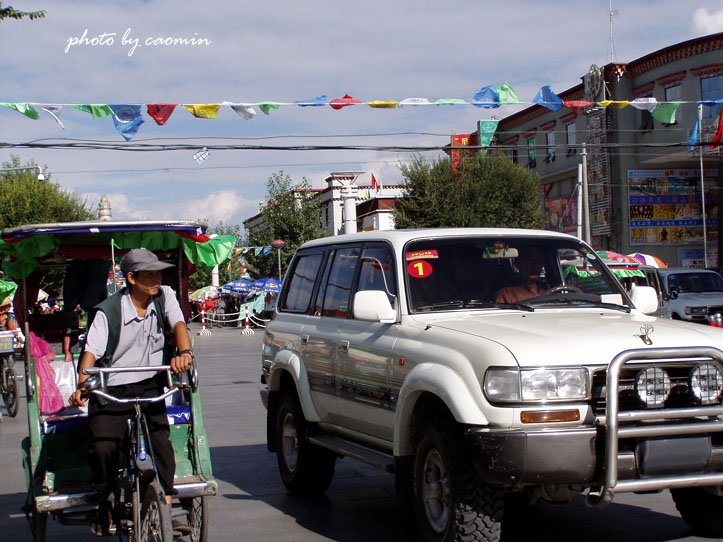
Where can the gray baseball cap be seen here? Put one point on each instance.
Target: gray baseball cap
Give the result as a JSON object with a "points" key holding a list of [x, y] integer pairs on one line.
{"points": [[140, 259]]}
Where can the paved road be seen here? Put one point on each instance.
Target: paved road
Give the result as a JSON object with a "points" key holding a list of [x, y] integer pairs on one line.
{"points": [[252, 504]]}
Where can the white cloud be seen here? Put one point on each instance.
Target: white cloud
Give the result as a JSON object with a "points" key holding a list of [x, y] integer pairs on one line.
{"points": [[705, 22]]}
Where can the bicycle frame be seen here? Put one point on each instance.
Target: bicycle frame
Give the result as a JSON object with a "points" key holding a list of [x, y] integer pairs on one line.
{"points": [[139, 469]]}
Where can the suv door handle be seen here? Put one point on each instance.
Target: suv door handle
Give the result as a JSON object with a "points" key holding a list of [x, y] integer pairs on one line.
{"points": [[344, 346], [304, 339]]}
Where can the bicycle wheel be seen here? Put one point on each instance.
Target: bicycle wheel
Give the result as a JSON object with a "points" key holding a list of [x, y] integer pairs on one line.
{"points": [[155, 515], [198, 517], [11, 391]]}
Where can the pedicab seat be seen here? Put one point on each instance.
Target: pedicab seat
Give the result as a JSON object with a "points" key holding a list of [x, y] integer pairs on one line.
{"points": [[71, 419]]}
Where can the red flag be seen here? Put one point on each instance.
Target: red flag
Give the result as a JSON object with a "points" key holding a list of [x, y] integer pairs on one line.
{"points": [[374, 182], [160, 112], [718, 137]]}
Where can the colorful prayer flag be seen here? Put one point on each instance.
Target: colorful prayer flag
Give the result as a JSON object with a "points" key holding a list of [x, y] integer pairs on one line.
{"points": [[546, 98], [127, 119], [97, 110], [694, 136], [160, 112], [506, 94], [22, 108], [202, 111], [718, 137], [665, 112], [486, 97], [266, 107]]}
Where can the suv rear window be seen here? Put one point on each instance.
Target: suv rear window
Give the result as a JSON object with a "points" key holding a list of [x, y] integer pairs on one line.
{"points": [[301, 283]]}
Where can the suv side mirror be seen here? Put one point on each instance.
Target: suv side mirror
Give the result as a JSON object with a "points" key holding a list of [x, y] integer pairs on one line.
{"points": [[374, 306], [645, 299], [673, 294]]}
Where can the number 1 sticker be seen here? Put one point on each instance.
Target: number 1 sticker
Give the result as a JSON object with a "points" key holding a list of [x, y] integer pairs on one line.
{"points": [[419, 269]]}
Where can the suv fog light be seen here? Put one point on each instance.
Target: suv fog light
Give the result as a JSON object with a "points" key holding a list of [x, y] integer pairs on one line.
{"points": [[706, 383], [653, 386]]}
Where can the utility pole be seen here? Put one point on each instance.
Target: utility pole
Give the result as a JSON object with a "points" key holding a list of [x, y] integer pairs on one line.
{"points": [[585, 198]]}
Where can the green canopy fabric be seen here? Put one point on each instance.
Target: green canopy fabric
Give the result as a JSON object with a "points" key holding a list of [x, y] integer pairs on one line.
{"points": [[7, 287], [24, 253]]}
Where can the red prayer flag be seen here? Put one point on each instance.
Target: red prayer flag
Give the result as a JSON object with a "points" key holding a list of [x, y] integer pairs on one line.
{"points": [[718, 137], [375, 184], [160, 112], [576, 105]]}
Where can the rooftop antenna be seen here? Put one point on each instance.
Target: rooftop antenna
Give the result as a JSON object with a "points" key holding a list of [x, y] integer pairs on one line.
{"points": [[612, 13]]}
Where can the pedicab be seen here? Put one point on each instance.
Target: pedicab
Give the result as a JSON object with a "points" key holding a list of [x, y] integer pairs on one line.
{"points": [[55, 452]]}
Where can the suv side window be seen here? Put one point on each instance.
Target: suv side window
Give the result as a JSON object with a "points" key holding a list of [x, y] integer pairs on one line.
{"points": [[377, 270], [301, 283], [338, 286]]}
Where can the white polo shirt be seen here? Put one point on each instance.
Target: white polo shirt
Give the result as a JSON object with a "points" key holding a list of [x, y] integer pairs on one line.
{"points": [[140, 343]]}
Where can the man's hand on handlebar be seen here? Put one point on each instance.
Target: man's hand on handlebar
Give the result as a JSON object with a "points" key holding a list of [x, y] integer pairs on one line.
{"points": [[80, 396], [181, 362]]}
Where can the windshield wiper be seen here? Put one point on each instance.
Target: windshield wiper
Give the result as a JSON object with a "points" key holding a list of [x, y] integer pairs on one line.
{"points": [[576, 299], [458, 304]]}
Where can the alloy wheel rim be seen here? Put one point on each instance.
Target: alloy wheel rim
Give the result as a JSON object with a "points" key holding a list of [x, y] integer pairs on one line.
{"points": [[436, 494]]}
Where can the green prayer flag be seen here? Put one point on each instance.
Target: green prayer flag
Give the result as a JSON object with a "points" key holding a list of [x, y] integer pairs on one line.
{"points": [[449, 101], [267, 106], [257, 250], [665, 112], [507, 95], [23, 108], [97, 110]]}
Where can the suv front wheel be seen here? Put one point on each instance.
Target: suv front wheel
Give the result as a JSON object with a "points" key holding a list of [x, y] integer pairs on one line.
{"points": [[451, 503], [305, 469]]}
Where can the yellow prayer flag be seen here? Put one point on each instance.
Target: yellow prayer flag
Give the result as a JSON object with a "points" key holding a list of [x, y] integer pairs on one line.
{"points": [[202, 111], [382, 104]]}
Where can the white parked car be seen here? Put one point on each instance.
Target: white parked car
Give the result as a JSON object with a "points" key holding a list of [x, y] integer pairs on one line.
{"points": [[476, 364]]}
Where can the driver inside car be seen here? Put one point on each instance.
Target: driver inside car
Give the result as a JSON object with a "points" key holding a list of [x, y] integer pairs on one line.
{"points": [[530, 265]]}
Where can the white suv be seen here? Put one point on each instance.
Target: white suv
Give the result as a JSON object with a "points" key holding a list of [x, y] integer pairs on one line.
{"points": [[480, 364]]}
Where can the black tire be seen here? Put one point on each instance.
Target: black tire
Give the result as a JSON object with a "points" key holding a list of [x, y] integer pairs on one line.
{"points": [[450, 502], [305, 469], [701, 509], [155, 515], [11, 391], [197, 510], [38, 525]]}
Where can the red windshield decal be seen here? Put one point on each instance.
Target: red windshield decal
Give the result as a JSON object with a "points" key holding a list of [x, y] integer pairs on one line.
{"points": [[422, 255]]}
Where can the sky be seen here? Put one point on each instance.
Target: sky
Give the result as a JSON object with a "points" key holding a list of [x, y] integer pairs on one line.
{"points": [[253, 51]]}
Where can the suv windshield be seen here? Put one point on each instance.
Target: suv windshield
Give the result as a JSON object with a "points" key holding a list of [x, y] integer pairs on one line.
{"points": [[695, 282], [510, 272]]}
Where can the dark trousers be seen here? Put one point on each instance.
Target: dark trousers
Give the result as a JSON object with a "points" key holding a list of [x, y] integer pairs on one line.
{"points": [[108, 425]]}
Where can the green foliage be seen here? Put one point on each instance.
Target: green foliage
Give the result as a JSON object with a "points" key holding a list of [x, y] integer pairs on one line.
{"points": [[487, 191], [292, 215], [10, 13], [25, 200]]}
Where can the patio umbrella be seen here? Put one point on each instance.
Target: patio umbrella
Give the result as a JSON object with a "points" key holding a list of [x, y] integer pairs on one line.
{"points": [[266, 285], [649, 259], [614, 259], [203, 293], [238, 287]]}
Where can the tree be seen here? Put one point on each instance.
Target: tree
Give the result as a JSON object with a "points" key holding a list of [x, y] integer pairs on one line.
{"points": [[291, 214], [485, 191], [25, 200], [10, 13]]}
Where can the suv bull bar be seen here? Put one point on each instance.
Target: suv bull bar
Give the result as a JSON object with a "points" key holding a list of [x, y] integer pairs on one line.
{"points": [[611, 423]]}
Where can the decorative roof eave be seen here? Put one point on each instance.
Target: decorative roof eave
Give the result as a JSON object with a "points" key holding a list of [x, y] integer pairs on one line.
{"points": [[687, 49]]}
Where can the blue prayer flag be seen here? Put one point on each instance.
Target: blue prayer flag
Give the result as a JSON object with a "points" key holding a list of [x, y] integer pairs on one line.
{"points": [[127, 119], [546, 98]]}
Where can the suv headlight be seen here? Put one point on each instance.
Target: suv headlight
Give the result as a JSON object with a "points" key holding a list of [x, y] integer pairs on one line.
{"points": [[506, 385], [696, 310]]}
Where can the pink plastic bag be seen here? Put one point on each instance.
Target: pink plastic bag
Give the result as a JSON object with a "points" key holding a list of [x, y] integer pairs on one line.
{"points": [[49, 397]]}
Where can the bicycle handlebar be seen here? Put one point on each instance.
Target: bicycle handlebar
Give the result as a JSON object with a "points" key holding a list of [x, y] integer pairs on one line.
{"points": [[95, 371]]}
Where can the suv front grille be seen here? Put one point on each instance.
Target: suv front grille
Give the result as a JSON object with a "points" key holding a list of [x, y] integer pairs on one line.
{"points": [[680, 395]]}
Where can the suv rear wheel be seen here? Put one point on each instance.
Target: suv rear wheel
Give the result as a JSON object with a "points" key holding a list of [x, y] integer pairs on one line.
{"points": [[450, 501], [305, 468]]}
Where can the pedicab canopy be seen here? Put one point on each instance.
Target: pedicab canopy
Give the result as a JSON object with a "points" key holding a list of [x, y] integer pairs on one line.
{"points": [[27, 246]]}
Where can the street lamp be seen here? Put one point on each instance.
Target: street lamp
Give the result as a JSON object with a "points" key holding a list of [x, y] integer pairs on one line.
{"points": [[41, 177], [278, 245]]}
